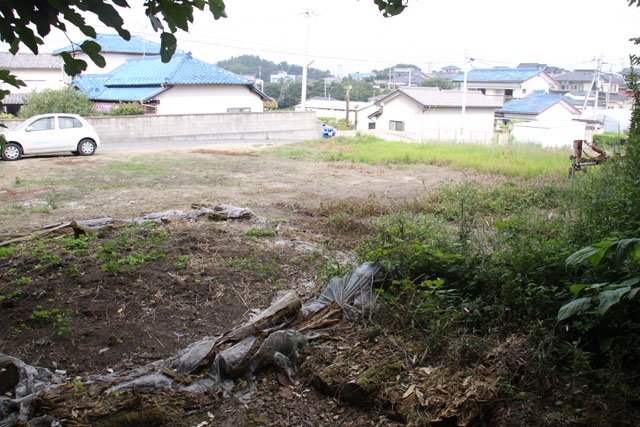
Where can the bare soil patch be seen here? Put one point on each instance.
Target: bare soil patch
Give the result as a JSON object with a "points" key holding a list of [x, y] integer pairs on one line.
{"points": [[127, 297]]}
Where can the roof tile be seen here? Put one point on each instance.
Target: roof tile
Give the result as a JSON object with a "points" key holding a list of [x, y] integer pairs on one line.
{"points": [[113, 43]]}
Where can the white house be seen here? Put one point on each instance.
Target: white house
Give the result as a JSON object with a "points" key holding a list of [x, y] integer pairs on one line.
{"points": [[428, 113], [115, 49], [39, 72], [358, 111], [550, 133], [184, 85], [538, 106], [507, 83]]}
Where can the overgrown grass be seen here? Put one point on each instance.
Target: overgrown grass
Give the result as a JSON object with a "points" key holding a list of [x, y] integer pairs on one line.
{"points": [[512, 160]]}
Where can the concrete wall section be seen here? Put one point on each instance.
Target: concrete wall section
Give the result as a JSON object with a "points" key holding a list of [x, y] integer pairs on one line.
{"points": [[286, 125]]}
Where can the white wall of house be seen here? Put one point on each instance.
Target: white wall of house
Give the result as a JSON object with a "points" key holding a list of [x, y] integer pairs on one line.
{"points": [[558, 111], [37, 80], [199, 99], [549, 133], [441, 124], [535, 83]]}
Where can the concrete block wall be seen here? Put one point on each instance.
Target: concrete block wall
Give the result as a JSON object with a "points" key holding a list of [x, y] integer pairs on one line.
{"points": [[276, 125]]}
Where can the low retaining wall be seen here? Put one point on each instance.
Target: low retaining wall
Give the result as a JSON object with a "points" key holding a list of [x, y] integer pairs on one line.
{"points": [[276, 125]]}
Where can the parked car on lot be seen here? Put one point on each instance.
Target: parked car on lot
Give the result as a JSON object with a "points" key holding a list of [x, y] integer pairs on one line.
{"points": [[51, 133], [328, 131]]}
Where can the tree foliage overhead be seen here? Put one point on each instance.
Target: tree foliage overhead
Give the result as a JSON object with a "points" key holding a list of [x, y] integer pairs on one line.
{"points": [[28, 21]]}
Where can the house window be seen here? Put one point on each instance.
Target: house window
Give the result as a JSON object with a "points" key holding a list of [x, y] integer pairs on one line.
{"points": [[394, 125], [524, 91], [372, 125], [239, 110], [484, 91], [508, 92]]}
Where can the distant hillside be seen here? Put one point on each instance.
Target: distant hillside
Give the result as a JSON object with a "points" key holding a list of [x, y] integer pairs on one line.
{"points": [[262, 68]]}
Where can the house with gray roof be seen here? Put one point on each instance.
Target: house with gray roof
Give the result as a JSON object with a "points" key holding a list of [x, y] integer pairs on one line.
{"points": [[584, 80], [537, 107], [184, 85], [428, 113], [507, 83], [115, 49], [43, 71]]}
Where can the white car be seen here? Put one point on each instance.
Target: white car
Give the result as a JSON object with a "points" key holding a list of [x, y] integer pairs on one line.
{"points": [[51, 133]]}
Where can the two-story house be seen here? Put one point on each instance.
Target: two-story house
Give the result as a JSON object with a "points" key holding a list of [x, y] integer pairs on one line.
{"points": [[115, 49], [39, 72], [504, 84]]}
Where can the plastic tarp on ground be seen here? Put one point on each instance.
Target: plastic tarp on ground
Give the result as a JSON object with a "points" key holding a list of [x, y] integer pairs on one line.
{"points": [[354, 288]]}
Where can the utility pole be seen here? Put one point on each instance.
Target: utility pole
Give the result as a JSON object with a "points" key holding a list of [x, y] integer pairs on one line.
{"points": [[348, 100], [307, 63], [595, 105], [464, 95]]}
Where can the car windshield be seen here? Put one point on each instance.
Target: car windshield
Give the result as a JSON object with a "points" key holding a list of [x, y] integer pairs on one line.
{"points": [[23, 125]]}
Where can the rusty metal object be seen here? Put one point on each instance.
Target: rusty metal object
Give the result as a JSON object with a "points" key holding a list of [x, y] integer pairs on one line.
{"points": [[580, 160]]}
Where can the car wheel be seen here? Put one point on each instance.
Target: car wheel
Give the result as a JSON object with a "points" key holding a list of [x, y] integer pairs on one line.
{"points": [[86, 147], [12, 152]]}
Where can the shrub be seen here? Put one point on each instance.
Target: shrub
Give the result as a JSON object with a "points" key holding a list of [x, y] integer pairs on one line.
{"points": [[128, 109], [68, 100], [607, 139]]}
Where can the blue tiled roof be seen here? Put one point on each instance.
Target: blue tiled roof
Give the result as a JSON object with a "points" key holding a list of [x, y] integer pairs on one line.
{"points": [[535, 103], [115, 43], [91, 84], [143, 78], [182, 69], [138, 93], [515, 75]]}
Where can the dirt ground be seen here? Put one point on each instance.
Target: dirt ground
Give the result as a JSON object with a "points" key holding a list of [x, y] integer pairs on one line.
{"points": [[127, 297]]}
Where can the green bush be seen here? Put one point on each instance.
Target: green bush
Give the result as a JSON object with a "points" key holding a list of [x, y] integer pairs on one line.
{"points": [[68, 100], [127, 109], [607, 139], [6, 116]]}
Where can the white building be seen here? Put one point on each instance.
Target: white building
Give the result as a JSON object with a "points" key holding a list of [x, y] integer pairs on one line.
{"points": [[507, 83], [538, 106], [115, 49], [184, 85], [428, 113], [334, 108], [39, 72]]}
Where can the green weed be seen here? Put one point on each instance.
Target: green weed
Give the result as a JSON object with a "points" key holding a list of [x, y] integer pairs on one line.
{"points": [[261, 232]]}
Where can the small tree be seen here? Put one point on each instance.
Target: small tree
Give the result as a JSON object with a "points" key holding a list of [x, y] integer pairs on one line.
{"points": [[68, 100]]}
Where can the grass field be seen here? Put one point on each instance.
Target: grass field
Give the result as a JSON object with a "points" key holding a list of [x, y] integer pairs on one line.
{"points": [[512, 160]]}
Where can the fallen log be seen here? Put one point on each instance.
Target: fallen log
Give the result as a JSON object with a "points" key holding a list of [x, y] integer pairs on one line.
{"points": [[281, 313]]}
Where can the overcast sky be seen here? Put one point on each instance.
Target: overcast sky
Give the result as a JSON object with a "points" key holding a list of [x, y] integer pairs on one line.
{"points": [[351, 35]]}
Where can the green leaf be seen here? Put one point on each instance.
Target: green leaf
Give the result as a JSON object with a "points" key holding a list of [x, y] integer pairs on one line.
{"points": [[217, 9], [574, 307], [624, 249], [575, 289], [168, 44], [72, 66], [592, 253], [92, 49], [632, 293], [609, 298]]}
